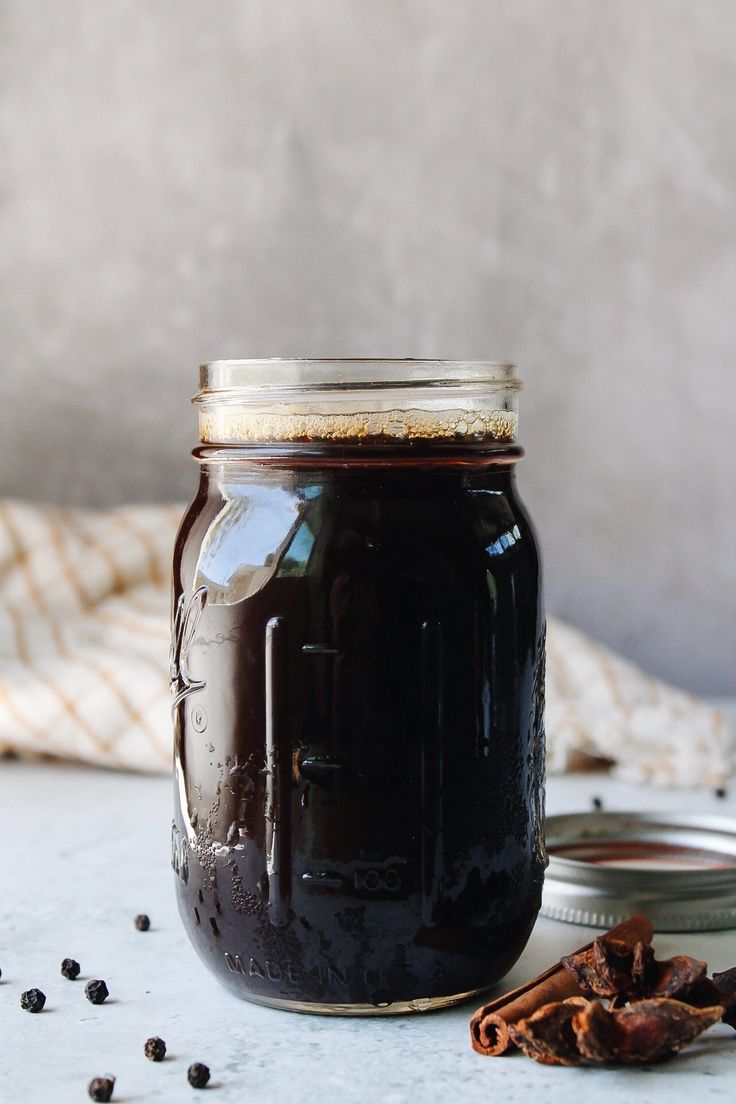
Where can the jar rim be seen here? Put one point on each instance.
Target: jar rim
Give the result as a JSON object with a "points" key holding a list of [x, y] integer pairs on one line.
{"points": [[349, 373]]}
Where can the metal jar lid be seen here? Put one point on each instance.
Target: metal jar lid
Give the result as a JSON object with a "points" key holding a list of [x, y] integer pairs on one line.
{"points": [[677, 869]]}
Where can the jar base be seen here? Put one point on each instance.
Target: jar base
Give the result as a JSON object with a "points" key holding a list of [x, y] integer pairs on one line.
{"points": [[396, 1008]]}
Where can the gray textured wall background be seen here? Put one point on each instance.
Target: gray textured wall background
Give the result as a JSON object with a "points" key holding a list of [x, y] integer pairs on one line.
{"points": [[549, 181]]}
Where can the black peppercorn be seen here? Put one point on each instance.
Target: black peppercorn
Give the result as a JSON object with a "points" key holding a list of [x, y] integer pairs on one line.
{"points": [[721, 791], [33, 1000], [198, 1075], [142, 922], [100, 1088], [597, 803], [70, 969], [96, 991], [155, 1049]]}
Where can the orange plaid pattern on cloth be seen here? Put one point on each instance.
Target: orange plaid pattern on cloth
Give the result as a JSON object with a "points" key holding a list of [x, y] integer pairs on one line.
{"points": [[84, 669], [84, 633]]}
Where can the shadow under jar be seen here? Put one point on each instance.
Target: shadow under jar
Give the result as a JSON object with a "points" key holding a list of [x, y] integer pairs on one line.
{"points": [[358, 673]]}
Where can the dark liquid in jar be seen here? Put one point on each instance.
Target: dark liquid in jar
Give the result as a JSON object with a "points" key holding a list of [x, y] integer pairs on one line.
{"points": [[360, 772]]}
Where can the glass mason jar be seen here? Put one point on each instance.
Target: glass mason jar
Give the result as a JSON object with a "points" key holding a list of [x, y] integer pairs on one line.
{"points": [[358, 671]]}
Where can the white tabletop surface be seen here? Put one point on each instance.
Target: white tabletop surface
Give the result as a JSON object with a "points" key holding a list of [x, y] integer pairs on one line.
{"points": [[84, 850]]}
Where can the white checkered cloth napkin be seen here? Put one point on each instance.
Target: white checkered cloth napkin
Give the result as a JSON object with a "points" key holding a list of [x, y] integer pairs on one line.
{"points": [[84, 671]]}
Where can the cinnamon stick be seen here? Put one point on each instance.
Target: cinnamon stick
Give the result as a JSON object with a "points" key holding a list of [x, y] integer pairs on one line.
{"points": [[489, 1027]]}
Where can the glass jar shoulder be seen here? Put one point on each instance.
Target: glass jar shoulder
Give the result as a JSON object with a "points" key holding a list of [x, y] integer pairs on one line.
{"points": [[247, 524], [501, 522]]}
